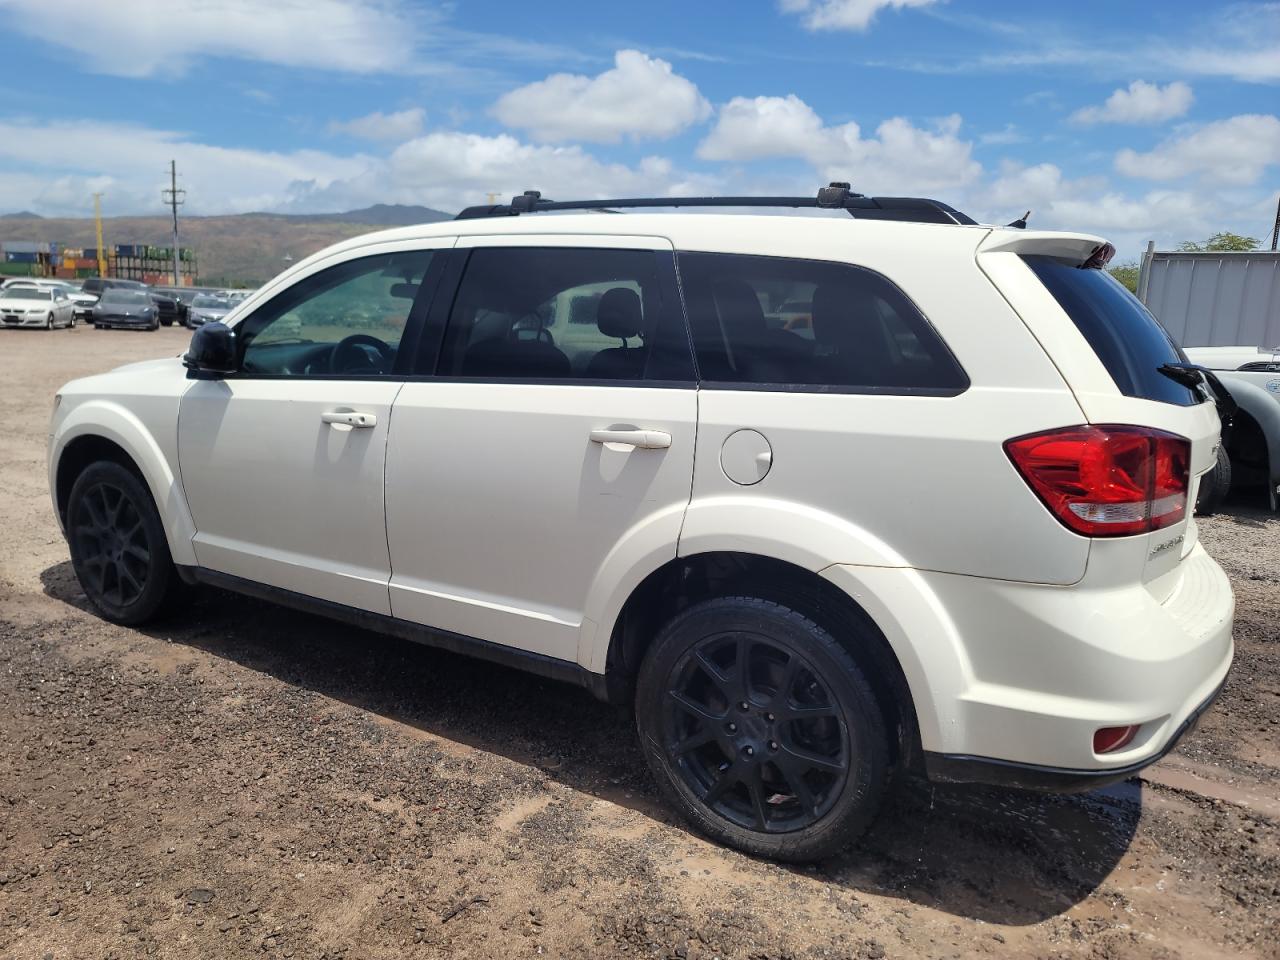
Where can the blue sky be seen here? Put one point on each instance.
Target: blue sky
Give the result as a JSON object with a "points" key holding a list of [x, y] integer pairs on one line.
{"points": [[1135, 121]]}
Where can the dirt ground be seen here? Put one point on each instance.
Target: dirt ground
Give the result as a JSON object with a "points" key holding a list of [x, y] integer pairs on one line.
{"points": [[250, 782]]}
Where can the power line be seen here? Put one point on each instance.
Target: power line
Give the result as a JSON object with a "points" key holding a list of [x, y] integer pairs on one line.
{"points": [[174, 198]]}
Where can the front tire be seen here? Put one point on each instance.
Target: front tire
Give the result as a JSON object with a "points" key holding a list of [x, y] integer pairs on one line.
{"points": [[48, 321], [118, 545], [761, 729]]}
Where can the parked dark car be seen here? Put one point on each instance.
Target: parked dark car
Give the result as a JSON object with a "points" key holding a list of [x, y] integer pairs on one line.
{"points": [[126, 308], [168, 307]]}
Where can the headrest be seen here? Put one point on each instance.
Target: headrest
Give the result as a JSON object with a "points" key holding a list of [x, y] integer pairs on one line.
{"points": [[843, 315], [618, 314], [739, 308]]}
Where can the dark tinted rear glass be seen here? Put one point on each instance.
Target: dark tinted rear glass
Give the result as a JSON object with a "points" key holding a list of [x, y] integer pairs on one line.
{"points": [[780, 323], [1127, 339]]}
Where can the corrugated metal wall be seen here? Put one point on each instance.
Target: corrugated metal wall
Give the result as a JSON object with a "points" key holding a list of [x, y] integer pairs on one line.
{"points": [[1215, 299]]}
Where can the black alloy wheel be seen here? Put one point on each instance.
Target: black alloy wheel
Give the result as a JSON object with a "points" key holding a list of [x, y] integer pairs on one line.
{"points": [[762, 729], [755, 732], [118, 547]]}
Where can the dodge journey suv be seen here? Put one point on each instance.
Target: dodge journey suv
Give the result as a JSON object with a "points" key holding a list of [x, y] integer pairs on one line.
{"points": [[825, 497]]}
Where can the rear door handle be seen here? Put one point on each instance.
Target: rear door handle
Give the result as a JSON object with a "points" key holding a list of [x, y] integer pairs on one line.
{"points": [[349, 418], [644, 439]]}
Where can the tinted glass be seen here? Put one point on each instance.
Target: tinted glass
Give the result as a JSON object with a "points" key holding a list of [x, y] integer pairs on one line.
{"points": [[533, 313], [26, 293], [773, 321], [126, 297], [1127, 339], [344, 321]]}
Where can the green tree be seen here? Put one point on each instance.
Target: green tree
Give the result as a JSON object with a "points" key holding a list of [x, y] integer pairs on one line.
{"points": [[1221, 242], [1126, 273]]}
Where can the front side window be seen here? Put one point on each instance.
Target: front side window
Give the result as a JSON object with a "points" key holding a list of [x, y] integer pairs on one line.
{"points": [[790, 324], [347, 320], [534, 313]]}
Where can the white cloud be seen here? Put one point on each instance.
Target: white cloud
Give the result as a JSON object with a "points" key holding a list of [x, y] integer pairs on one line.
{"points": [[900, 157], [138, 38], [641, 97], [844, 14], [63, 157], [388, 127], [1141, 102], [1232, 151]]}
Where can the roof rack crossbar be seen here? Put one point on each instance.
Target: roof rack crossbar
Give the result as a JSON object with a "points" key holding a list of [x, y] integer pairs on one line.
{"points": [[837, 196]]}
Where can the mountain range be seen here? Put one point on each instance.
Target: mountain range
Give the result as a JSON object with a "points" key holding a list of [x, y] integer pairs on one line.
{"points": [[243, 248]]}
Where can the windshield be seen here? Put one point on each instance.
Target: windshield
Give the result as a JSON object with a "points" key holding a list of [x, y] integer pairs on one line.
{"points": [[126, 297], [211, 302], [25, 293]]}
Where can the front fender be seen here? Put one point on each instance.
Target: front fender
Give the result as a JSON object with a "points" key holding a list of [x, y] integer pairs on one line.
{"points": [[1264, 407], [112, 421]]}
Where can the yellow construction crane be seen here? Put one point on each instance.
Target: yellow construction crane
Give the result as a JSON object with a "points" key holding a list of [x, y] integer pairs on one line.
{"points": [[97, 220]]}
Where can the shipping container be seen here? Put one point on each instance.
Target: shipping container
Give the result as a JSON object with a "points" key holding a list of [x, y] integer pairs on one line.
{"points": [[17, 269], [72, 253], [18, 256], [83, 272], [23, 246]]}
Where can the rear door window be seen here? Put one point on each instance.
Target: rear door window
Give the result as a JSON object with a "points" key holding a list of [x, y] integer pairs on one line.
{"points": [[790, 324], [566, 313], [1127, 338]]}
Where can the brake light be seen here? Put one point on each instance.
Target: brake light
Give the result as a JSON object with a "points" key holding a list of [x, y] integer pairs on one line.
{"points": [[1107, 481]]}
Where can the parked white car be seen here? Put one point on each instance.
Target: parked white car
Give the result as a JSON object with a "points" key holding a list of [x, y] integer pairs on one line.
{"points": [[1252, 375], [942, 526], [81, 302], [27, 306]]}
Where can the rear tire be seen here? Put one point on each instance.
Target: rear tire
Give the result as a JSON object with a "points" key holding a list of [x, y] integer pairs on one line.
{"points": [[761, 729], [1215, 486], [118, 545]]}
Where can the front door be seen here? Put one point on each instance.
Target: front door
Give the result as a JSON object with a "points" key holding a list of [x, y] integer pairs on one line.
{"points": [[554, 440], [282, 463]]}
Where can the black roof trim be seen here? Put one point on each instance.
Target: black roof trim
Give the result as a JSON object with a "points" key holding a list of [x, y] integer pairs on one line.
{"points": [[912, 209]]}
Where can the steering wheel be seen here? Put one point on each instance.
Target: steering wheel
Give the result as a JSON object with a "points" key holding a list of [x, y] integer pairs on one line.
{"points": [[349, 357]]}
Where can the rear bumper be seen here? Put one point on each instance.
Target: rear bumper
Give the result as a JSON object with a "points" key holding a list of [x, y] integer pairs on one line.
{"points": [[957, 768], [1010, 681]]}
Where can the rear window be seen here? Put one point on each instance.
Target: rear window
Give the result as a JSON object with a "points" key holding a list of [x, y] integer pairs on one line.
{"points": [[788, 324], [1127, 339]]}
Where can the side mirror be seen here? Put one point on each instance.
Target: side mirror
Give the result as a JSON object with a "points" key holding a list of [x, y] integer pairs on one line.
{"points": [[212, 353]]}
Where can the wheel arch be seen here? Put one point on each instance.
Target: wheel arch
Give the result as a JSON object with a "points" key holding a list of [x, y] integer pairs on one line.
{"points": [[1260, 412], [686, 580], [105, 431]]}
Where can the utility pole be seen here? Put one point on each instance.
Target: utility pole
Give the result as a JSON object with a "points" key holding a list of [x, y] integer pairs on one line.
{"points": [[173, 197], [97, 219], [1275, 231]]}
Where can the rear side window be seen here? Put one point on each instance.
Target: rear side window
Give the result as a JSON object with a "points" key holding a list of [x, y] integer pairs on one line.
{"points": [[780, 323], [1127, 339], [566, 313]]}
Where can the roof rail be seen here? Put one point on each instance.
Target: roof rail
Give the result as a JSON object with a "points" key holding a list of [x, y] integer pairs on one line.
{"points": [[836, 196]]}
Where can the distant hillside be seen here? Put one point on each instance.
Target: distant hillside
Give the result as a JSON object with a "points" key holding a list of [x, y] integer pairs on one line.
{"points": [[245, 248], [380, 215]]}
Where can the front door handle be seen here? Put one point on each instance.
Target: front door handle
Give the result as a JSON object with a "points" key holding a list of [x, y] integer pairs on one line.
{"points": [[644, 439], [349, 418]]}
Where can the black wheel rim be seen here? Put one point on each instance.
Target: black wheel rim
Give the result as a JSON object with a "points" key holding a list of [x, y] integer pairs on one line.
{"points": [[111, 545], [755, 733]]}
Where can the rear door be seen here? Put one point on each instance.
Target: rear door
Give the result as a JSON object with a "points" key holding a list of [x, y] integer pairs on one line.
{"points": [[1109, 348], [549, 441]]}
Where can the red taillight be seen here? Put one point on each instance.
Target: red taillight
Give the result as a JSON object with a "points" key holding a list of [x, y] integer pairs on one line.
{"points": [[1107, 481], [1111, 739]]}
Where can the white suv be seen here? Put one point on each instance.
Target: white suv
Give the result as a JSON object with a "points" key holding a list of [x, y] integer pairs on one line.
{"points": [[827, 497]]}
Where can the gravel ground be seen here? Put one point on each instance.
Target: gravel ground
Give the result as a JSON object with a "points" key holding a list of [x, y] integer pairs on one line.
{"points": [[249, 782]]}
